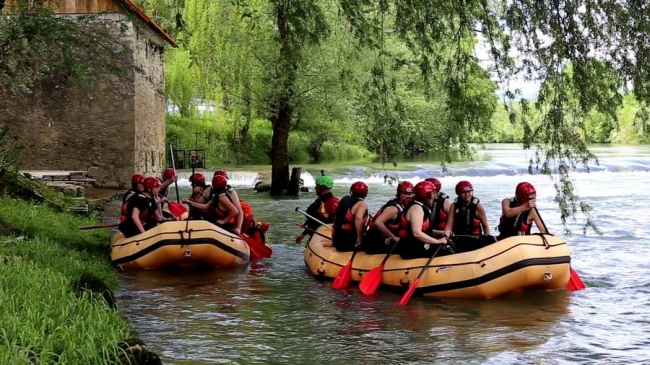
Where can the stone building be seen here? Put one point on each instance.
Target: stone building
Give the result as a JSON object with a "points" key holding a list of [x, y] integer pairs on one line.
{"points": [[112, 131]]}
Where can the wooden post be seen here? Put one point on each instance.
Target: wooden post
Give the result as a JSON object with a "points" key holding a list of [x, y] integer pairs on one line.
{"points": [[294, 182]]}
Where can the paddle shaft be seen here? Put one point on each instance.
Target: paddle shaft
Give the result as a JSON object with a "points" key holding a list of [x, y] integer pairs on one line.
{"points": [[409, 293], [171, 152], [311, 230], [312, 218], [100, 226], [575, 282]]}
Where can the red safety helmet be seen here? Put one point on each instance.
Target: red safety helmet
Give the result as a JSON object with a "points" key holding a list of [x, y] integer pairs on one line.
{"points": [[405, 187], [220, 182], [151, 182], [221, 173], [168, 173], [137, 179], [198, 178], [359, 188], [423, 189], [463, 186], [435, 182], [525, 192]]}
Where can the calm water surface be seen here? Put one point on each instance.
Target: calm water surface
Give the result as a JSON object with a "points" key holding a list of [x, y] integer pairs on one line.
{"points": [[273, 311]]}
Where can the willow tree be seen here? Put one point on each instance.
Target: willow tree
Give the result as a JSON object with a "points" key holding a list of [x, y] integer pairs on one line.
{"points": [[604, 41]]}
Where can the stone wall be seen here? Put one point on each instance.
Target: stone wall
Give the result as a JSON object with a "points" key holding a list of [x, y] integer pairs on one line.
{"points": [[149, 102], [113, 130]]}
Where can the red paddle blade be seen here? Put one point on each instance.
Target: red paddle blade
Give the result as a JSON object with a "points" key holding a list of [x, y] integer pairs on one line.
{"points": [[371, 281], [176, 209], [575, 283], [409, 293], [258, 249], [342, 279]]}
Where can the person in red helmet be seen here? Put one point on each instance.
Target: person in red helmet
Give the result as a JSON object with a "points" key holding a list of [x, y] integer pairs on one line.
{"points": [[221, 209], [137, 187], [169, 176], [519, 213], [242, 221], [440, 209], [468, 220], [415, 222], [142, 212], [384, 227], [350, 219], [197, 181]]}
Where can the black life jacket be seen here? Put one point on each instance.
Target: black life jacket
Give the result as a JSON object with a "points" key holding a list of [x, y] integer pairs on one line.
{"points": [[466, 223], [514, 226], [438, 214]]}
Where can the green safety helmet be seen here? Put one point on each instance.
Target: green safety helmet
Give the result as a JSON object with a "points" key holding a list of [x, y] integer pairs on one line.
{"points": [[325, 181]]}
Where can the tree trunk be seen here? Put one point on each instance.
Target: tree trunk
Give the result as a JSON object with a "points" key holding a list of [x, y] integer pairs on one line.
{"points": [[294, 184], [280, 149], [282, 104]]}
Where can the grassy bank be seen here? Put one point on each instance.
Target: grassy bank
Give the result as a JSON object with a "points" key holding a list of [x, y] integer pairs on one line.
{"points": [[56, 303]]}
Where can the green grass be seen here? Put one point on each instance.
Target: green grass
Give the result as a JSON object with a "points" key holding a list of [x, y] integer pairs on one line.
{"points": [[44, 322], [43, 221]]}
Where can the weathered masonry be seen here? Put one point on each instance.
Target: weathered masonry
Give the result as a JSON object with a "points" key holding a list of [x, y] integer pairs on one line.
{"points": [[112, 131]]}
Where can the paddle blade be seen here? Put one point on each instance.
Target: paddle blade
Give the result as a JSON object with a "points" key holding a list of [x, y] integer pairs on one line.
{"points": [[342, 279], [409, 293], [176, 209], [371, 281], [258, 249], [575, 283]]}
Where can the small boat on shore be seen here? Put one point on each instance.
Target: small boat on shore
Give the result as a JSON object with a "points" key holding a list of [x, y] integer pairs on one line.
{"points": [[532, 261], [179, 244]]}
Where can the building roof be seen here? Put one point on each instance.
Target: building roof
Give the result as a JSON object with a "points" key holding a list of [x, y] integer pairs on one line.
{"points": [[153, 25]]}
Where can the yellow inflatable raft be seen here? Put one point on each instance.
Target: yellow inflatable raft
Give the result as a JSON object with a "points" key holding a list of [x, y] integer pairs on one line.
{"points": [[540, 261], [179, 244]]}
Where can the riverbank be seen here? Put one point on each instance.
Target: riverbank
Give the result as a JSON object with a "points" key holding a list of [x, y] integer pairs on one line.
{"points": [[57, 303]]}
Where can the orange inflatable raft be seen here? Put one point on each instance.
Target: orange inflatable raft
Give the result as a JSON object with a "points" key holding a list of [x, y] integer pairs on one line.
{"points": [[539, 261], [179, 244]]}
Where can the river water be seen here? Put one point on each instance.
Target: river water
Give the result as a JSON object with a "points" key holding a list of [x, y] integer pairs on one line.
{"points": [[273, 312]]}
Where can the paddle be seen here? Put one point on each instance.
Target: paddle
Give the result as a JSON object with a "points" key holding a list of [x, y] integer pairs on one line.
{"points": [[177, 209], [312, 218], [311, 230], [100, 226], [575, 283], [409, 293], [178, 199], [342, 279], [258, 249], [371, 281]]}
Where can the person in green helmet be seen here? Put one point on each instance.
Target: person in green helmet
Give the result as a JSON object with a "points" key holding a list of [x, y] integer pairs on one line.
{"points": [[323, 208]]}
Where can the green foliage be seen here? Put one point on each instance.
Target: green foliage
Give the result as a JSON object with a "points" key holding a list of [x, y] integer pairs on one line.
{"points": [[37, 46]]}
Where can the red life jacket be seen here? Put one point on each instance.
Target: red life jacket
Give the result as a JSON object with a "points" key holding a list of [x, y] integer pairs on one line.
{"points": [[393, 224], [219, 213], [405, 226], [345, 221], [127, 210]]}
